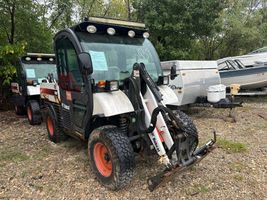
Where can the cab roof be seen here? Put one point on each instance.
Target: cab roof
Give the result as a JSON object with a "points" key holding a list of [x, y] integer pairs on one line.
{"points": [[38, 58], [121, 27]]}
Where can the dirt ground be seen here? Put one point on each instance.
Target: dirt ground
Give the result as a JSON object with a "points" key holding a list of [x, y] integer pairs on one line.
{"points": [[32, 167]]}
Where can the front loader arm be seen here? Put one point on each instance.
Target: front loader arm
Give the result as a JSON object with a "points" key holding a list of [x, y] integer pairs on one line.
{"points": [[174, 140]]}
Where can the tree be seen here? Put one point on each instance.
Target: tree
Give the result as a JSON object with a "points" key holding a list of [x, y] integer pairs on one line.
{"points": [[243, 28], [176, 25], [21, 21]]}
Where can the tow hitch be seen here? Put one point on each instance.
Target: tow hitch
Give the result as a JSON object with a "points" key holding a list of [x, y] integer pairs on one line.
{"points": [[200, 153]]}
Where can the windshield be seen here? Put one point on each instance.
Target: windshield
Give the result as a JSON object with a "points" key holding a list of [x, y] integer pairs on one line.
{"points": [[39, 71], [113, 57]]}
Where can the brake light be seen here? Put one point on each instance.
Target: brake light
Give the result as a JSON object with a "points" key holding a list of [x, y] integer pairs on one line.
{"points": [[101, 84]]}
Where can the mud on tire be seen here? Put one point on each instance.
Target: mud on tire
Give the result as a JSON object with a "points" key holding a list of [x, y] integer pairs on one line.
{"points": [[187, 123], [55, 134], [34, 113], [115, 168]]}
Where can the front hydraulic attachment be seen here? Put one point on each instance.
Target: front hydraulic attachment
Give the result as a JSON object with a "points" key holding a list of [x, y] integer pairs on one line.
{"points": [[197, 156]]}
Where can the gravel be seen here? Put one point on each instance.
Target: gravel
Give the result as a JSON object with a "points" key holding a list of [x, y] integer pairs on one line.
{"points": [[32, 167]]}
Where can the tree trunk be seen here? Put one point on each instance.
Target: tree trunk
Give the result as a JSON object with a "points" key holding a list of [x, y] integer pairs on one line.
{"points": [[128, 9], [12, 18]]}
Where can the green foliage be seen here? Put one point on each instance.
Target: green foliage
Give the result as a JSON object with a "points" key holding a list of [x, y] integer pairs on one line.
{"points": [[8, 56], [186, 29], [28, 25], [175, 26], [7, 72], [210, 29]]}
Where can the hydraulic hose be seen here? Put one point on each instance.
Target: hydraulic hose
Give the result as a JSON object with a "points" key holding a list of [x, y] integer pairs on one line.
{"points": [[160, 109]]}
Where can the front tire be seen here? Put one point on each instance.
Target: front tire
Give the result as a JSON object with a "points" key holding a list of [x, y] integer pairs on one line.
{"points": [[190, 142], [34, 112], [55, 134], [111, 157]]}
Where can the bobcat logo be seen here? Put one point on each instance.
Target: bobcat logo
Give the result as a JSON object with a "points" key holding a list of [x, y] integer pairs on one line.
{"points": [[173, 87]]}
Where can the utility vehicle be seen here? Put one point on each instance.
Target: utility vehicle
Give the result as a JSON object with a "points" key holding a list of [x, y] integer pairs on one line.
{"points": [[111, 91], [32, 69]]}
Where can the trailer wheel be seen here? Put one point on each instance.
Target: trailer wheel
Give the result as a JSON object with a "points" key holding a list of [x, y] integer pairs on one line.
{"points": [[19, 110], [111, 157], [55, 134], [34, 112]]}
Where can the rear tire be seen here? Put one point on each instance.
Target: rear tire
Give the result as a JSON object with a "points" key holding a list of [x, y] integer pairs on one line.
{"points": [[55, 134], [111, 157], [19, 110], [34, 113]]}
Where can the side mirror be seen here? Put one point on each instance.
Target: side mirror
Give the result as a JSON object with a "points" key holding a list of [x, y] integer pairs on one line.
{"points": [[86, 62], [173, 74], [34, 82]]}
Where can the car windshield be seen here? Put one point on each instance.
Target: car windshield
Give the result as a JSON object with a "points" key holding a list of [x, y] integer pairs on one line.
{"points": [[113, 57], [39, 71]]}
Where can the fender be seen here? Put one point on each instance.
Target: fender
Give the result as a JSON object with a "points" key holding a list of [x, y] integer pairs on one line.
{"points": [[50, 92], [169, 96], [111, 103], [52, 109]]}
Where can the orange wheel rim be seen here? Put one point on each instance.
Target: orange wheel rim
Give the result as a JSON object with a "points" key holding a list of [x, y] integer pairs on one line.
{"points": [[29, 113], [102, 159], [50, 126]]}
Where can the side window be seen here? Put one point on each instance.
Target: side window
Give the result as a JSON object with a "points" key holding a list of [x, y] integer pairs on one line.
{"points": [[70, 77]]}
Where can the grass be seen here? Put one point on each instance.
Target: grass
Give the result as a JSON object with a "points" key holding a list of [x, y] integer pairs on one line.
{"points": [[198, 189], [262, 125], [238, 177], [13, 156], [44, 153], [203, 189], [231, 147], [24, 174], [236, 166]]}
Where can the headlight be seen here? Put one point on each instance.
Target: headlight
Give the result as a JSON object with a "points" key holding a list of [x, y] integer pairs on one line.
{"points": [[131, 33], [146, 35], [91, 29], [112, 86], [163, 80], [111, 31]]}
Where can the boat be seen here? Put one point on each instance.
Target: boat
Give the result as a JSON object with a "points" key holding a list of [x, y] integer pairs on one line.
{"points": [[249, 71], [261, 50], [249, 60]]}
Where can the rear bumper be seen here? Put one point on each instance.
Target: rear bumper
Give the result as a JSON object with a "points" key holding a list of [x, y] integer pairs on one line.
{"points": [[168, 173]]}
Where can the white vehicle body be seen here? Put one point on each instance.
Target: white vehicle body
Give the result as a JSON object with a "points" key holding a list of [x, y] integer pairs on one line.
{"points": [[15, 88], [193, 80], [33, 90], [115, 103]]}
